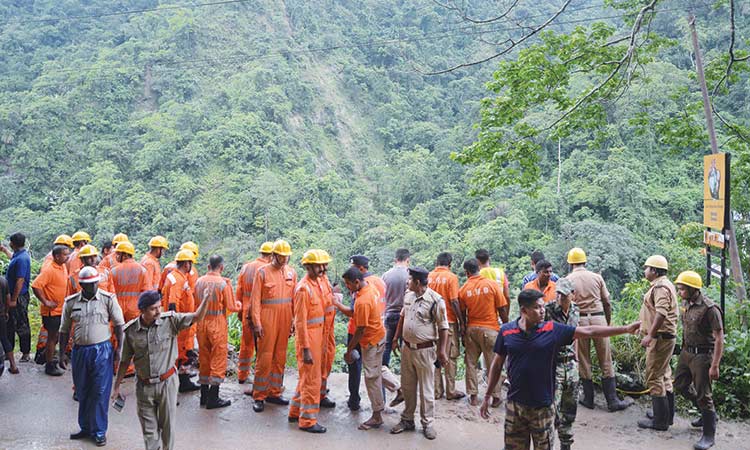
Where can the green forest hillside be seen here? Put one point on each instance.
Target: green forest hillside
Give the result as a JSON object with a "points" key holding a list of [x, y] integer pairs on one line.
{"points": [[231, 123]]}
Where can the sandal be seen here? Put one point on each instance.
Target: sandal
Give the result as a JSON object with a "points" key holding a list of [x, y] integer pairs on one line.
{"points": [[364, 426], [14, 371], [403, 426]]}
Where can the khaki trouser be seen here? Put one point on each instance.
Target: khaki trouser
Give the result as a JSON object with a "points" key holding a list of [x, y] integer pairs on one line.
{"points": [[603, 352], [372, 360], [454, 351], [390, 382], [418, 373], [692, 381], [157, 408], [658, 373], [479, 341]]}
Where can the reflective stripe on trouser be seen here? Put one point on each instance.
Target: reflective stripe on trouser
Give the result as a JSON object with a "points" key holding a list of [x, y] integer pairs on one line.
{"points": [[270, 357], [306, 401], [212, 359], [566, 399], [603, 352], [157, 410], [524, 424], [372, 360], [454, 351], [247, 350], [658, 355], [418, 376], [479, 342], [92, 376], [329, 353], [692, 381]]}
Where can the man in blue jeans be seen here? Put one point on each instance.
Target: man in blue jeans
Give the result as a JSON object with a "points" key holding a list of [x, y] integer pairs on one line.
{"points": [[18, 276], [396, 280]]}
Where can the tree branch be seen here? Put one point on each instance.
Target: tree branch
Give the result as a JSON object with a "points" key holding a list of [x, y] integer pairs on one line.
{"points": [[508, 49], [732, 57], [466, 17]]}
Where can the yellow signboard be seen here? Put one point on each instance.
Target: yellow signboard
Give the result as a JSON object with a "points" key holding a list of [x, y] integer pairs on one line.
{"points": [[714, 190], [713, 238]]}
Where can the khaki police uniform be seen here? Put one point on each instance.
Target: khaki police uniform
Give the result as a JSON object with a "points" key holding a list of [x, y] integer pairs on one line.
{"points": [[700, 318], [661, 298], [90, 318], [154, 351], [591, 294], [423, 318]]}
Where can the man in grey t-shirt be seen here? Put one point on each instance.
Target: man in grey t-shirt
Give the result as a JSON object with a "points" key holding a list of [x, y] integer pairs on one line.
{"points": [[396, 280]]}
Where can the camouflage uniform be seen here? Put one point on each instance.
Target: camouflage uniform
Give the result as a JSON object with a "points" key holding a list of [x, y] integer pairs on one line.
{"points": [[566, 383], [524, 424]]}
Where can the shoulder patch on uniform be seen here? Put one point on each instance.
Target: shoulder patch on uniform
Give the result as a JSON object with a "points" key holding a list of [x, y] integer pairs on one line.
{"points": [[73, 296], [167, 314], [106, 293], [131, 322]]}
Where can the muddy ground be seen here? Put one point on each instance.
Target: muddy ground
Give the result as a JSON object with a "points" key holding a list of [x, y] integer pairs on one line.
{"points": [[39, 413]]}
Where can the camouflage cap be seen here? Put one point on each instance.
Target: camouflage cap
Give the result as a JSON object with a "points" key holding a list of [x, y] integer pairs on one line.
{"points": [[565, 286]]}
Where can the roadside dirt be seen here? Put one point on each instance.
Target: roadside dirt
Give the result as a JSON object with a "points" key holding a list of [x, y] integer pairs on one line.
{"points": [[38, 412]]}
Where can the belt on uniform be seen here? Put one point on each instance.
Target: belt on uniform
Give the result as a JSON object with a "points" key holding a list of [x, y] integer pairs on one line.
{"points": [[160, 378], [600, 313], [698, 350], [419, 346], [665, 336]]}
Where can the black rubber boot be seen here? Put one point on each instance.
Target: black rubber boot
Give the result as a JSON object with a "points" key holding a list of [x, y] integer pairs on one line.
{"points": [[697, 423], [317, 428], [326, 402], [213, 399], [588, 394], [204, 394], [51, 369], [670, 400], [661, 415], [259, 406], [186, 385], [610, 393], [709, 431]]}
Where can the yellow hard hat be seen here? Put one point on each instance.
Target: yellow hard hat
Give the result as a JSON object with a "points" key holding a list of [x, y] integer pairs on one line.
{"points": [[185, 255], [657, 262], [88, 250], [65, 240], [576, 255], [689, 278], [81, 236], [120, 237], [190, 245], [125, 247], [267, 247], [282, 247], [158, 241], [316, 256]]}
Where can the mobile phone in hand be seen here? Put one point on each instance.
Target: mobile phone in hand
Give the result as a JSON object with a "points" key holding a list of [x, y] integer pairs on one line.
{"points": [[119, 403]]}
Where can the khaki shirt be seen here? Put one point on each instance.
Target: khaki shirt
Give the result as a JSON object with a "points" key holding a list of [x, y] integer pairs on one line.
{"points": [[423, 317], [591, 291], [700, 318], [154, 349], [660, 298], [91, 317]]}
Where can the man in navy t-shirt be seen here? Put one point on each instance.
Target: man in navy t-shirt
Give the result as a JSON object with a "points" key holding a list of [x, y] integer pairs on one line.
{"points": [[530, 346]]}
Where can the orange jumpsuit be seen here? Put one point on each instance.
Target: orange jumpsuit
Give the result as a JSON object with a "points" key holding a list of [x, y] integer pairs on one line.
{"points": [[74, 263], [309, 320], [181, 295], [212, 331], [105, 283], [129, 279], [152, 265], [244, 289], [109, 262], [271, 308], [329, 338]]}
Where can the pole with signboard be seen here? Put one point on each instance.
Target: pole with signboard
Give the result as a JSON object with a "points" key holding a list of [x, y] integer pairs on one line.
{"points": [[716, 210]]}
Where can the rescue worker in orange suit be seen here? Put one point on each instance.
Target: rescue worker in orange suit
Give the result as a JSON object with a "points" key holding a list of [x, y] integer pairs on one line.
{"points": [[329, 338], [271, 310], [181, 300], [80, 238], [88, 255], [311, 295], [212, 332], [244, 289], [110, 261], [157, 246], [164, 287]]}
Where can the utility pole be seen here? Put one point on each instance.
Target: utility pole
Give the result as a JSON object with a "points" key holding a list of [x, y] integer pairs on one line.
{"points": [[734, 254]]}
